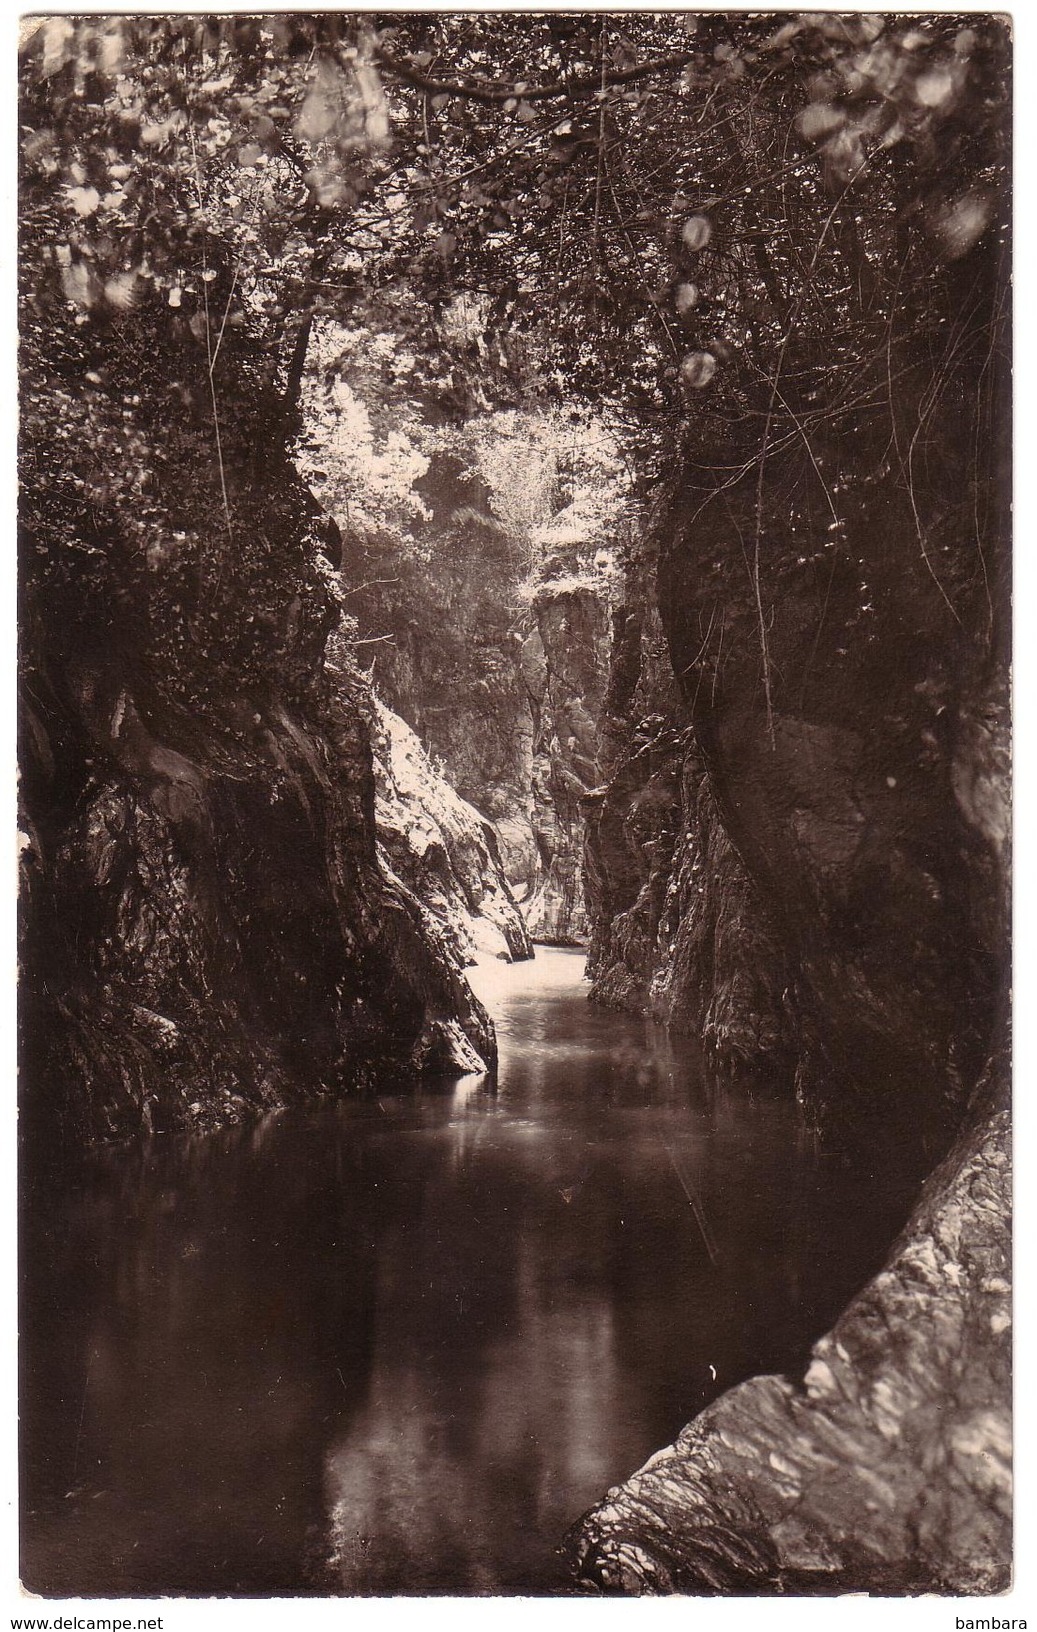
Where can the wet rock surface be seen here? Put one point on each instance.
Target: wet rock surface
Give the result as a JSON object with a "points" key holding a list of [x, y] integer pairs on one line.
{"points": [[885, 1467], [819, 889], [226, 940], [440, 848]]}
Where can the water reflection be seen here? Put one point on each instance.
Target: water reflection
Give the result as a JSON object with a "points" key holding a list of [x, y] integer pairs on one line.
{"points": [[400, 1346]]}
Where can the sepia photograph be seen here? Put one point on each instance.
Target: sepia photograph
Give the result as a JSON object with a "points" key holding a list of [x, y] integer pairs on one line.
{"points": [[514, 907]]}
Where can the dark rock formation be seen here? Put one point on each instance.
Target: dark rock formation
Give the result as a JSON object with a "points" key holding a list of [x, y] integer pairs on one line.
{"points": [[205, 928], [680, 932], [847, 695], [851, 776], [885, 1468], [210, 939], [799, 852]]}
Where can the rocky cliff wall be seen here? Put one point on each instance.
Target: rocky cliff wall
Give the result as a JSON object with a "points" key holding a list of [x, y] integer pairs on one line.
{"points": [[679, 930], [205, 929], [440, 849], [814, 876]]}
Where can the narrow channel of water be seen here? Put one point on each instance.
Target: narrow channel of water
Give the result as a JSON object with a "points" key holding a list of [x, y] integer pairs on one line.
{"points": [[400, 1346]]}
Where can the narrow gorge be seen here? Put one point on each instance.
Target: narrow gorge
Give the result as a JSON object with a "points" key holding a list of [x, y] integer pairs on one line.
{"points": [[515, 620]]}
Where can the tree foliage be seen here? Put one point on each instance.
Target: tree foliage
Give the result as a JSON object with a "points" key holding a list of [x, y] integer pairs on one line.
{"points": [[372, 422], [777, 243]]}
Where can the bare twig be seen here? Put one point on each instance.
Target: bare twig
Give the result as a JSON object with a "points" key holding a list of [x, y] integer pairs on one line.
{"points": [[697, 1208]]}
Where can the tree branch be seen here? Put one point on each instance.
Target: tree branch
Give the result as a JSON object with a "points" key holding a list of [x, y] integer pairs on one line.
{"points": [[494, 95]]}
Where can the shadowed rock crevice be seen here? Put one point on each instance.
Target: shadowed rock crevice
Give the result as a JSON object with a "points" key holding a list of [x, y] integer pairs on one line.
{"points": [[680, 931], [564, 663]]}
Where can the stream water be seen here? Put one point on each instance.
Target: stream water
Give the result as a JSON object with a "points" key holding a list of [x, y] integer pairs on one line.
{"points": [[400, 1346]]}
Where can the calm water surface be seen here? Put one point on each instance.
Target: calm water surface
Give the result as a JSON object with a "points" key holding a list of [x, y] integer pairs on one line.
{"points": [[401, 1346]]}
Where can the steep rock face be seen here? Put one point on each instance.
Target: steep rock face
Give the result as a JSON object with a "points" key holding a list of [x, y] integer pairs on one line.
{"points": [[819, 879], [208, 937], [205, 928], [856, 809], [885, 1468], [838, 624], [440, 848], [679, 932], [719, 968], [564, 666]]}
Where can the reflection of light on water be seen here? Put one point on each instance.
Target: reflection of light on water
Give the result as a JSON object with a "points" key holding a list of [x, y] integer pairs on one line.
{"points": [[465, 1089], [548, 1029], [441, 1322], [495, 983], [436, 1479]]}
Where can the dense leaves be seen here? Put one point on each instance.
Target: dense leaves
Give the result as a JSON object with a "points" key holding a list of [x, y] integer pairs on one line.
{"points": [[775, 246], [585, 162]]}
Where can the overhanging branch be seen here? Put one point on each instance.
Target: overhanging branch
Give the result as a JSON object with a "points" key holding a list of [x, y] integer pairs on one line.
{"points": [[493, 95]]}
